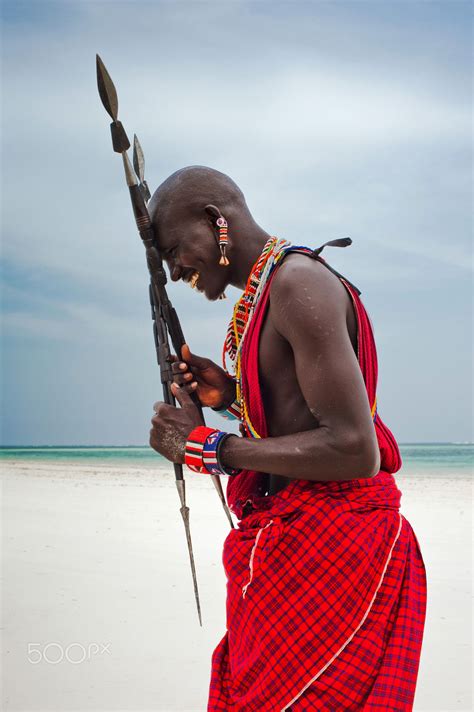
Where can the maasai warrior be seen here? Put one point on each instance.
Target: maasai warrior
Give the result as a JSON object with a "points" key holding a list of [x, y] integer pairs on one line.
{"points": [[326, 592]]}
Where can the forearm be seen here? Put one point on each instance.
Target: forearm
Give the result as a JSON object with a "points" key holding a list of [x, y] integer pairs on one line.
{"points": [[310, 455]]}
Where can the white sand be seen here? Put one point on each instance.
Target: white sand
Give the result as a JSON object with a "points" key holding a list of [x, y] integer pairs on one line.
{"points": [[95, 556]]}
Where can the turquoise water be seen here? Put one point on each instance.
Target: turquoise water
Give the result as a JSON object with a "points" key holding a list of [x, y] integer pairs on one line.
{"points": [[428, 458], [127, 456]]}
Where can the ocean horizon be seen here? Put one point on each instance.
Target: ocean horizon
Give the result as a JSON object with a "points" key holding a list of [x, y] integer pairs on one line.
{"points": [[436, 458]]}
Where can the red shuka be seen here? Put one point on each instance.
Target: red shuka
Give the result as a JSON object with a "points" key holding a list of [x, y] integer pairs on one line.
{"points": [[326, 584]]}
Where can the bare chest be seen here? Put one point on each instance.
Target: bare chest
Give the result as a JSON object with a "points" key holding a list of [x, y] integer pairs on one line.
{"points": [[286, 410]]}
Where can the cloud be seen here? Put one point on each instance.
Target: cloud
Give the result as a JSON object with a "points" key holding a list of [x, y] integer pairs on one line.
{"points": [[335, 118]]}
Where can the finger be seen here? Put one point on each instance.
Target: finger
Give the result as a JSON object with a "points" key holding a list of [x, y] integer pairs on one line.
{"points": [[161, 410], [189, 387], [182, 396], [190, 358], [154, 440], [183, 379], [179, 366]]}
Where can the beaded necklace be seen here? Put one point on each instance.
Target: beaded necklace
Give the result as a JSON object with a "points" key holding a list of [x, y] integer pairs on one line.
{"points": [[273, 251]]}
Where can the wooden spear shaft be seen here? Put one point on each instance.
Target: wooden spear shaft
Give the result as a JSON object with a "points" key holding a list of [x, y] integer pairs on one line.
{"points": [[164, 315]]}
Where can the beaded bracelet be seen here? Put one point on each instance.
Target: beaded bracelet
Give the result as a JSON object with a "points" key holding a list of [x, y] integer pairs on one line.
{"points": [[232, 471], [232, 412], [202, 451], [194, 447]]}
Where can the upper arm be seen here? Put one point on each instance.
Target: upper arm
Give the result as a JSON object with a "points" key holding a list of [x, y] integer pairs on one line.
{"points": [[309, 309]]}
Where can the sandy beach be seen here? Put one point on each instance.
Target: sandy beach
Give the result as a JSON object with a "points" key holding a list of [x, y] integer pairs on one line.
{"points": [[98, 603]]}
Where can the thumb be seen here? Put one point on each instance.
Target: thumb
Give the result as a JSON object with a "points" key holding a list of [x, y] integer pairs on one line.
{"points": [[192, 359], [181, 395]]}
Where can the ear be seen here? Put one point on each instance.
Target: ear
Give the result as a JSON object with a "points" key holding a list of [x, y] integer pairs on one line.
{"points": [[213, 212]]}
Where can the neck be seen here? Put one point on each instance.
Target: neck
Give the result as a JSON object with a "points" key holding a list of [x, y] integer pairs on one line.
{"points": [[245, 252]]}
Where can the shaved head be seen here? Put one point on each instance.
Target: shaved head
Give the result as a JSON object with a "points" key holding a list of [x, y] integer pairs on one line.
{"points": [[184, 211], [187, 191]]}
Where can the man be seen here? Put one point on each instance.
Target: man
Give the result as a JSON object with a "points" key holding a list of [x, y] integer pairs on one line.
{"points": [[326, 582]]}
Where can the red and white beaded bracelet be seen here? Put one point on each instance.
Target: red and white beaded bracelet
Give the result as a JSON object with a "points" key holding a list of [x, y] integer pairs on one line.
{"points": [[202, 451]]}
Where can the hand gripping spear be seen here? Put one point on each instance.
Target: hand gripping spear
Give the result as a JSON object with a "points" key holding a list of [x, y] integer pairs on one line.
{"points": [[163, 314]]}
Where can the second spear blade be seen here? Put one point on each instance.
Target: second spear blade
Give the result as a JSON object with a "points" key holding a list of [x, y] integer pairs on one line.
{"points": [[139, 165]]}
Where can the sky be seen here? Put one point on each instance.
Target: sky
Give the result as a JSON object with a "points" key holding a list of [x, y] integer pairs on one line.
{"points": [[335, 118]]}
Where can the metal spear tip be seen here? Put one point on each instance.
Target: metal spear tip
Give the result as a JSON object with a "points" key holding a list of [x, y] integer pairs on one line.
{"points": [[145, 191], [107, 91], [138, 158], [139, 166]]}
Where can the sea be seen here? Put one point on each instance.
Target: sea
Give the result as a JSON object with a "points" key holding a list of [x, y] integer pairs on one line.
{"points": [[435, 459]]}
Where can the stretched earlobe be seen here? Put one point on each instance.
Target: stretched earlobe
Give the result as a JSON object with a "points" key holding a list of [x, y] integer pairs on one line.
{"points": [[221, 224]]}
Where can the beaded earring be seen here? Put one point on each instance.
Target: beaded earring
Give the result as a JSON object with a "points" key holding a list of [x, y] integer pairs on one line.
{"points": [[223, 239]]}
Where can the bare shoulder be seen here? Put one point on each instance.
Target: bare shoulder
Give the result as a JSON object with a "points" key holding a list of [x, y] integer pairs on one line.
{"points": [[300, 280], [309, 303]]}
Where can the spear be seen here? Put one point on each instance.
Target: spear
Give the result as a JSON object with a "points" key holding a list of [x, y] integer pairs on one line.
{"points": [[164, 315], [174, 326]]}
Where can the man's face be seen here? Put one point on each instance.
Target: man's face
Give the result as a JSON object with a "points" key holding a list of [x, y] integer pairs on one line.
{"points": [[192, 254]]}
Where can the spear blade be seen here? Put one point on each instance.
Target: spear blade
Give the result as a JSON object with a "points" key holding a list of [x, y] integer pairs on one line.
{"points": [[216, 481], [180, 486], [139, 166], [107, 91], [138, 158]]}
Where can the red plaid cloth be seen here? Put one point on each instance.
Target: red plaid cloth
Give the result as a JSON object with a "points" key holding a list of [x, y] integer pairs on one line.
{"points": [[326, 591]]}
